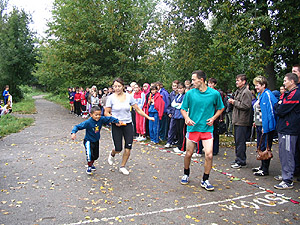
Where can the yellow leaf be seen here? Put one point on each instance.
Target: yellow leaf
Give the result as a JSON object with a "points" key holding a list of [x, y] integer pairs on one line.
{"points": [[188, 217]]}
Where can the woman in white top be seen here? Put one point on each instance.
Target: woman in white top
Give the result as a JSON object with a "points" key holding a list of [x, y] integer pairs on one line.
{"points": [[118, 106]]}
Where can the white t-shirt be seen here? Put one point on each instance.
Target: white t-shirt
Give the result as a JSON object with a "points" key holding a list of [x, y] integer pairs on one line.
{"points": [[121, 110]]}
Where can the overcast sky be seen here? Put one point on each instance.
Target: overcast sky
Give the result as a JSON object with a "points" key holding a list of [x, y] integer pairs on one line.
{"points": [[39, 9]]}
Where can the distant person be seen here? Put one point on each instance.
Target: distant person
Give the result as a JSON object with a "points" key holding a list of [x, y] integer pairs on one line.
{"points": [[282, 90], [187, 84], [170, 111], [212, 83], [163, 123], [71, 94], [139, 97], [242, 106], [92, 136], [288, 112], [201, 106], [77, 102], [177, 116], [228, 113], [6, 94], [156, 110]]}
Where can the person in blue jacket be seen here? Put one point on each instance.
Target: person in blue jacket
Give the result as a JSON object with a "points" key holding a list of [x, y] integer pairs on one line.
{"points": [[92, 136], [264, 120]]}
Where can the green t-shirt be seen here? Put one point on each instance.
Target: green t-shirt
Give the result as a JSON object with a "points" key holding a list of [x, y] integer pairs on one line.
{"points": [[201, 106]]}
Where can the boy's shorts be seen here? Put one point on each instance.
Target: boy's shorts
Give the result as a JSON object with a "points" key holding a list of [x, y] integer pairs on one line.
{"points": [[197, 136], [91, 150]]}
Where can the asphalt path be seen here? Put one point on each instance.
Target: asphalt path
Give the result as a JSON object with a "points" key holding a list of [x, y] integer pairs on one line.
{"points": [[43, 181]]}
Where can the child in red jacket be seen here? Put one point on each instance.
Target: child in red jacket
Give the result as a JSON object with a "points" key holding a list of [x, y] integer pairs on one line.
{"points": [[77, 102], [156, 110]]}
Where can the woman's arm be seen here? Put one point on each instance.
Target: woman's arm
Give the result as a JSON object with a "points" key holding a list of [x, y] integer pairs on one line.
{"points": [[141, 112], [107, 111]]}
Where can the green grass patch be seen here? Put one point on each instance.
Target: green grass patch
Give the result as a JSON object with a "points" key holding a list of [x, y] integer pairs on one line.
{"points": [[27, 106], [59, 99], [11, 124]]}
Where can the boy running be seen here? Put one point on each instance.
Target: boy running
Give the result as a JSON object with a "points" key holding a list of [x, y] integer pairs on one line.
{"points": [[91, 140], [198, 110]]}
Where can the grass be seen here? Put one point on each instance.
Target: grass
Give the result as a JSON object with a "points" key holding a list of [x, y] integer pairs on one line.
{"points": [[59, 99], [11, 124], [27, 106]]}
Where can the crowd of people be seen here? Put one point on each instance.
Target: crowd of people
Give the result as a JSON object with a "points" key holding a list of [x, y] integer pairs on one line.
{"points": [[188, 120]]}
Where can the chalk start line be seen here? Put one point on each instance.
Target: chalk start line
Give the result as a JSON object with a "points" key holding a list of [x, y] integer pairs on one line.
{"points": [[168, 210]]}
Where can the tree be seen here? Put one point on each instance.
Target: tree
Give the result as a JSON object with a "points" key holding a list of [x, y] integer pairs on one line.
{"points": [[253, 37], [96, 41], [17, 51]]}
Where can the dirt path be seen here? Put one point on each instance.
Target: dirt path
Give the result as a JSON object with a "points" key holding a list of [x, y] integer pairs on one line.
{"points": [[43, 181]]}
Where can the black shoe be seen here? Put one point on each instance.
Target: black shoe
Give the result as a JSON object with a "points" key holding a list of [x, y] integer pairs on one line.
{"points": [[256, 169], [260, 173]]}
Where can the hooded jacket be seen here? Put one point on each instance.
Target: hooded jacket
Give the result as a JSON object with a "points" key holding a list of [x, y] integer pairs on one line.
{"points": [[267, 101]]}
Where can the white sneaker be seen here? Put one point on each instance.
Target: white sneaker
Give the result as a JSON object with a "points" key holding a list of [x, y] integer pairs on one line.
{"points": [[177, 150], [196, 155], [110, 159], [168, 145], [124, 171], [142, 139]]}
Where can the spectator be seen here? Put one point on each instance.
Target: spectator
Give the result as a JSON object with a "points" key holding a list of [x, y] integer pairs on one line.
{"points": [[288, 111], [241, 119], [264, 120], [170, 111], [6, 94], [163, 122], [228, 113]]}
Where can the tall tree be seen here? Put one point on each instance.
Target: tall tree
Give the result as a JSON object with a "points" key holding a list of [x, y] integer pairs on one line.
{"points": [[259, 35], [17, 51], [95, 41]]}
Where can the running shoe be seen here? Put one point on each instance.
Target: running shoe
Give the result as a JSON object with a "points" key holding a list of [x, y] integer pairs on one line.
{"points": [[184, 179], [168, 145], [206, 185], [89, 170], [256, 169], [177, 150], [93, 168], [196, 155], [110, 159], [284, 185], [237, 166], [124, 171], [260, 173], [142, 139], [278, 178]]}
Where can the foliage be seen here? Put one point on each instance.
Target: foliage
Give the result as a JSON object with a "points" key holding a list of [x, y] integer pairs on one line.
{"points": [[253, 37], [17, 50], [92, 42]]}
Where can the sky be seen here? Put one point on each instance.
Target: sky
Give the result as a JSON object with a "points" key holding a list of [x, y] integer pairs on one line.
{"points": [[40, 11]]}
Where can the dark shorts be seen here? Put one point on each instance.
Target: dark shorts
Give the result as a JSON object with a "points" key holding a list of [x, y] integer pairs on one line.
{"points": [[119, 132], [91, 150]]}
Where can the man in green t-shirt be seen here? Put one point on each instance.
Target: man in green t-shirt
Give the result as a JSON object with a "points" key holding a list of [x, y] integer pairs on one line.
{"points": [[201, 106]]}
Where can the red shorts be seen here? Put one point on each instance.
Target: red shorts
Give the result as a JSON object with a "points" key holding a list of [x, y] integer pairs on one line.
{"points": [[197, 136]]}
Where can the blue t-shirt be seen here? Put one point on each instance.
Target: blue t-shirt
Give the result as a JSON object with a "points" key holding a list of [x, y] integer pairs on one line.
{"points": [[201, 106], [93, 127], [5, 94]]}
